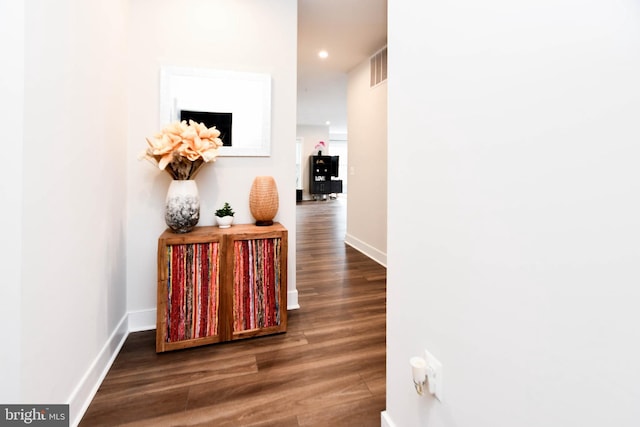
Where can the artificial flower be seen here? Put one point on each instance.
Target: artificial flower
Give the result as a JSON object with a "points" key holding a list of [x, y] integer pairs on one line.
{"points": [[181, 149]]}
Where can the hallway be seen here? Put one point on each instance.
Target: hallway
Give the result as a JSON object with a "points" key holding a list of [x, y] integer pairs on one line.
{"points": [[327, 369]]}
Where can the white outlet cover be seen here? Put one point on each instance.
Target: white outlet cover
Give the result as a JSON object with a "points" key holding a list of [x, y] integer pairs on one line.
{"points": [[435, 364]]}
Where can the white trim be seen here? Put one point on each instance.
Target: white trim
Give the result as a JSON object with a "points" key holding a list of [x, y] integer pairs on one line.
{"points": [[292, 300], [385, 420], [87, 388], [368, 250]]}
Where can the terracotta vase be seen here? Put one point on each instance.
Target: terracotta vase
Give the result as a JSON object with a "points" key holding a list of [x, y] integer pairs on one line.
{"points": [[263, 200]]}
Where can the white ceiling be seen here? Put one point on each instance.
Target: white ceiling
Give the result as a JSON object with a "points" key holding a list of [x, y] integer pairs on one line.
{"points": [[351, 31]]}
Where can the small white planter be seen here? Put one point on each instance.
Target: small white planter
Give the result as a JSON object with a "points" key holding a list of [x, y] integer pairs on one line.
{"points": [[225, 221]]}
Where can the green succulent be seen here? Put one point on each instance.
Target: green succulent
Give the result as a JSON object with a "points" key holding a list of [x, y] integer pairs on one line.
{"points": [[225, 211]]}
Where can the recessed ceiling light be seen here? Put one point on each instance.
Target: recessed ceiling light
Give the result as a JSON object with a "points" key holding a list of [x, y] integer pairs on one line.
{"points": [[323, 54], [327, 122]]}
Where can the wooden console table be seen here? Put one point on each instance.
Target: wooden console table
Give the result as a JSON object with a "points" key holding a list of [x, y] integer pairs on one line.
{"points": [[219, 285]]}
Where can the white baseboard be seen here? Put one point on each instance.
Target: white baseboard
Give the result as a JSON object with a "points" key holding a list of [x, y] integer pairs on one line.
{"points": [[292, 300], [84, 392], [368, 250], [385, 420]]}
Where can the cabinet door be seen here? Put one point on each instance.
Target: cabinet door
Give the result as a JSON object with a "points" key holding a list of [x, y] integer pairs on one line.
{"points": [[188, 295], [259, 286], [322, 187]]}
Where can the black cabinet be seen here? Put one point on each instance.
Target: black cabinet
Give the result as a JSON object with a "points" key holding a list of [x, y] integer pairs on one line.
{"points": [[322, 170]]}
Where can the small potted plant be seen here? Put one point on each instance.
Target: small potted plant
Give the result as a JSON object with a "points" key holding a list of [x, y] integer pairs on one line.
{"points": [[224, 216]]}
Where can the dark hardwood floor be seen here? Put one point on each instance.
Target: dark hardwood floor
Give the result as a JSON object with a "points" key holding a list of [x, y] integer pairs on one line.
{"points": [[328, 369]]}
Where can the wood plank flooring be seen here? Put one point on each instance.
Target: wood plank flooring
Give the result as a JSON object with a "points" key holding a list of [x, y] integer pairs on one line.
{"points": [[328, 369]]}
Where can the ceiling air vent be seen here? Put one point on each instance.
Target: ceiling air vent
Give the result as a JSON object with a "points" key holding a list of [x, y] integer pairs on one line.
{"points": [[378, 67]]}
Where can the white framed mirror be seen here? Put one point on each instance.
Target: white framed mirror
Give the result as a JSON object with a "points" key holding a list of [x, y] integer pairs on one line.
{"points": [[237, 103]]}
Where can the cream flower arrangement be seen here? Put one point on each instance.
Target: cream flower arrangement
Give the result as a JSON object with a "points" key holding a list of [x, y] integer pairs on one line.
{"points": [[181, 149]]}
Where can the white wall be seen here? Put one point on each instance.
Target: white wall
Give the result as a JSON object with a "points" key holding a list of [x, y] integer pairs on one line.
{"points": [[252, 36], [69, 146], [367, 171], [311, 135], [12, 120], [513, 211], [73, 218]]}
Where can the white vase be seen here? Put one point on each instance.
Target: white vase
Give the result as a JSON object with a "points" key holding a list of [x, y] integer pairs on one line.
{"points": [[224, 221], [182, 206]]}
